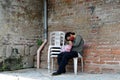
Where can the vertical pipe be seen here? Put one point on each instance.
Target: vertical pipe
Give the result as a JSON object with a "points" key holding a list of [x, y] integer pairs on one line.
{"points": [[45, 20]]}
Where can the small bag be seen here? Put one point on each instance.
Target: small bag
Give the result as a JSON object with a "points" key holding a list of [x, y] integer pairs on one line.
{"points": [[66, 48]]}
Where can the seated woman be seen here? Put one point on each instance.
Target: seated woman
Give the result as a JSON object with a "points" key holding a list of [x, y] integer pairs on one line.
{"points": [[70, 51]]}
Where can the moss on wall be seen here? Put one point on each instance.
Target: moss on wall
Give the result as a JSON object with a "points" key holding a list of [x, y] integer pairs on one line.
{"points": [[11, 63]]}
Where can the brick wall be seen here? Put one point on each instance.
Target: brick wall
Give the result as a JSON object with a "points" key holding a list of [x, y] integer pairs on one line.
{"points": [[98, 21], [21, 25]]}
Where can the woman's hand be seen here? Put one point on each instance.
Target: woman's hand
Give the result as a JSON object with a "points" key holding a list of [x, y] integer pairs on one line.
{"points": [[70, 43]]}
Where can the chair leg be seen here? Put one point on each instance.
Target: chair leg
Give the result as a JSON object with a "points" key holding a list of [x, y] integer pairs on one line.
{"points": [[75, 65], [82, 64], [48, 61], [49, 65], [52, 64]]}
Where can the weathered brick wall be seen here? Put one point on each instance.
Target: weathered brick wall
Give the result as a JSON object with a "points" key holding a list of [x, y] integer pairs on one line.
{"points": [[21, 25], [98, 21]]}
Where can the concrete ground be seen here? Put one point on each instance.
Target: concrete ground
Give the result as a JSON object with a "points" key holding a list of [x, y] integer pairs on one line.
{"points": [[42, 74]]}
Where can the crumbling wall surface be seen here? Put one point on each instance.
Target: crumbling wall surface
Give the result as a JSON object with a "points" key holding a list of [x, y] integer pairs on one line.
{"points": [[20, 26], [98, 22]]}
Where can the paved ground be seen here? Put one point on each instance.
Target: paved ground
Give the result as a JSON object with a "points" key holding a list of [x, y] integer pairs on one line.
{"points": [[42, 74]]}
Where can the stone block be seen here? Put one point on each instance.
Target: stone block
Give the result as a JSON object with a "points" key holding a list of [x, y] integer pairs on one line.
{"points": [[33, 50], [8, 51], [18, 50], [27, 50], [28, 61], [2, 51]]}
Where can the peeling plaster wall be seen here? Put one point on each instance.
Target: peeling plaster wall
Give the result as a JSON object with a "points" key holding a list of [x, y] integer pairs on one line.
{"points": [[21, 24]]}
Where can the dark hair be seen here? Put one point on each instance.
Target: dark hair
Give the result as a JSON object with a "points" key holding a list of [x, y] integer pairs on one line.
{"points": [[68, 34]]}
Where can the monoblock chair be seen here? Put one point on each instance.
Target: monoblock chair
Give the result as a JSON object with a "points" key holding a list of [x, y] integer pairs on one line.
{"points": [[75, 60], [56, 41]]}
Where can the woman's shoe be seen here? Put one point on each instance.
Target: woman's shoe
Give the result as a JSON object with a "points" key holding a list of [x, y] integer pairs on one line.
{"points": [[55, 74]]}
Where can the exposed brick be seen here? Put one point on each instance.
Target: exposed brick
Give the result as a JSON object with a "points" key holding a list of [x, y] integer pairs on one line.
{"points": [[68, 1], [106, 58], [117, 57], [97, 21], [98, 62], [112, 63], [107, 70], [91, 69], [115, 51]]}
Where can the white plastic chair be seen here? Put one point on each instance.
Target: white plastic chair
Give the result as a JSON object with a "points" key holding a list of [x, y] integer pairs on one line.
{"points": [[56, 42], [75, 60]]}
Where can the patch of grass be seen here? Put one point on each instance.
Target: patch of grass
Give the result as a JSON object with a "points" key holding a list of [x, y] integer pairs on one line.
{"points": [[39, 42]]}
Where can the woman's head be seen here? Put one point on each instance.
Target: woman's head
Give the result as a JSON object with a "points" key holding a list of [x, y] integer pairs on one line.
{"points": [[69, 36]]}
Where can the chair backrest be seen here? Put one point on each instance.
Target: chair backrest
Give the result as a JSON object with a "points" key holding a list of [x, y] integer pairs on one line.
{"points": [[57, 38]]}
